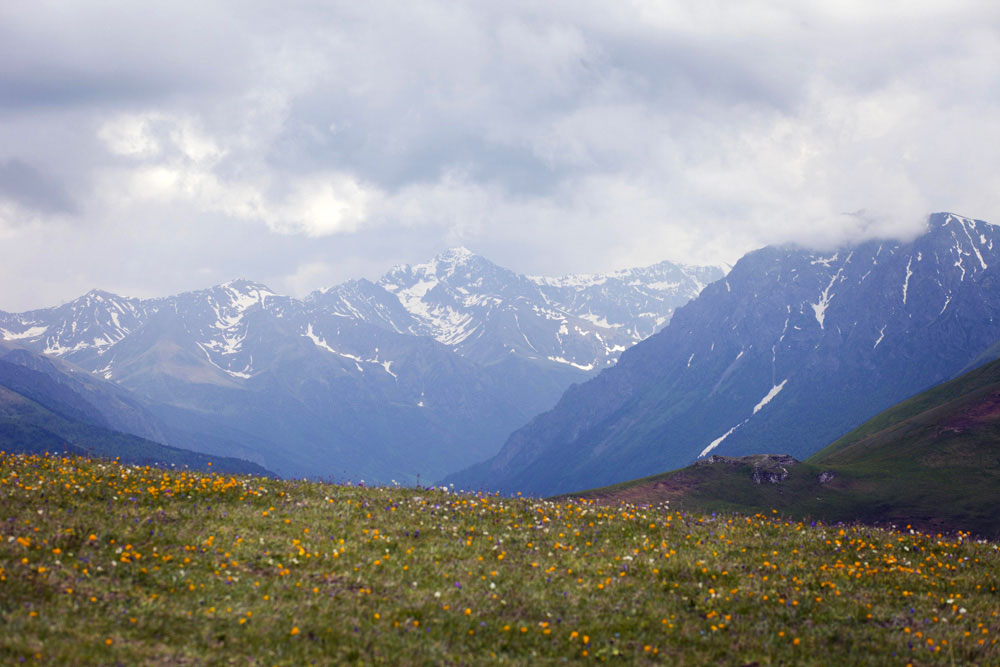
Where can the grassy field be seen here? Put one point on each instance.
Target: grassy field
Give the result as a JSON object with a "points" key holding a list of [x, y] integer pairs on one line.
{"points": [[102, 563]]}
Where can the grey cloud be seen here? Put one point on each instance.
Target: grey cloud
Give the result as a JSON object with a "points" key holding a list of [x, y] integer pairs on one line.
{"points": [[71, 89], [85, 53], [31, 189], [568, 135]]}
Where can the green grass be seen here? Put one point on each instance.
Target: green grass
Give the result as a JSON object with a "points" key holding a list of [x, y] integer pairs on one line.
{"points": [[894, 430], [102, 563]]}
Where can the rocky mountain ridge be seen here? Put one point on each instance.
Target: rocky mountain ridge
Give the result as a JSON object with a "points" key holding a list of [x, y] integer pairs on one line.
{"points": [[462, 300]]}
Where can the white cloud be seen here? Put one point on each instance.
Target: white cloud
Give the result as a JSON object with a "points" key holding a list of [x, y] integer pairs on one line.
{"points": [[306, 277], [130, 135], [326, 204], [194, 143], [185, 167]]}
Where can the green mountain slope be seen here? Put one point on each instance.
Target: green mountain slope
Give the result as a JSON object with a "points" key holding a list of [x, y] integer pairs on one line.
{"points": [[932, 461]]}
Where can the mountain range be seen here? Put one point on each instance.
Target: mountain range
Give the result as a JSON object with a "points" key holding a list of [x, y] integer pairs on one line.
{"points": [[792, 349], [410, 377]]}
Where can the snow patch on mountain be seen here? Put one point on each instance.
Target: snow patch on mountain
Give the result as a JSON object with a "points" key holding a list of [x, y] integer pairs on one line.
{"points": [[824, 299], [598, 320], [56, 349], [718, 441], [242, 375], [321, 343], [775, 390], [881, 333], [245, 294], [571, 280], [582, 367], [31, 332], [906, 281], [317, 341]]}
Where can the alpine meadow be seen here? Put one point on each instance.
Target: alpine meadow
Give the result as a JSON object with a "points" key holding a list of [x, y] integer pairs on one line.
{"points": [[109, 563]]}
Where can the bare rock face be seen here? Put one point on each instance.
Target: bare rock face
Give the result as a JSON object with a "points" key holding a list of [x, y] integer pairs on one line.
{"points": [[761, 476], [767, 468], [826, 476], [715, 458], [771, 468]]}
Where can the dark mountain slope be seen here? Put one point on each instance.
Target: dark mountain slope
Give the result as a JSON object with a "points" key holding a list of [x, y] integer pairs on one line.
{"points": [[46, 392], [118, 408], [932, 461], [40, 415]]}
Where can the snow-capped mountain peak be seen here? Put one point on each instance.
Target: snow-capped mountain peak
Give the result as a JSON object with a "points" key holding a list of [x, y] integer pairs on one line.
{"points": [[453, 264], [93, 322], [244, 293], [487, 312], [456, 255]]}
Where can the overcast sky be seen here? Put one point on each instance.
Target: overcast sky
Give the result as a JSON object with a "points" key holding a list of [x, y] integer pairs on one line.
{"points": [[149, 148]]}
